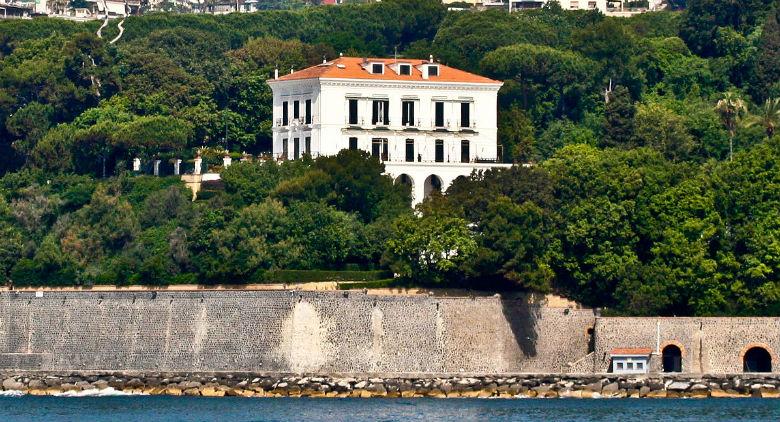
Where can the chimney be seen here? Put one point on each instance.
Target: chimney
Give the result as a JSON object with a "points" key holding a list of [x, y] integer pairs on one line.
{"points": [[291, 70], [430, 58], [341, 54], [276, 73]]}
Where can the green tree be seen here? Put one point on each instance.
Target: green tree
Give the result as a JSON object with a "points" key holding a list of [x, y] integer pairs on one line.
{"points": [[768, 60], [619, 119], [429, 248], [660, 128], [516, 135]]}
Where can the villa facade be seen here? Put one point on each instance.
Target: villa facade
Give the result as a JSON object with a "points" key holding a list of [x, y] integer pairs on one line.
{"points": [[427, 122]]}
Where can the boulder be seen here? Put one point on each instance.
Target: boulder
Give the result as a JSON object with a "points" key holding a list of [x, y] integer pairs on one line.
{"points": [[679, 386], [611, 390], [210, 391], [192, 391], [36, 385]]}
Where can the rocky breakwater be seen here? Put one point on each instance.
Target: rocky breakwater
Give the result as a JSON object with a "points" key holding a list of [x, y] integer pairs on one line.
{"points": [[524, 386]]}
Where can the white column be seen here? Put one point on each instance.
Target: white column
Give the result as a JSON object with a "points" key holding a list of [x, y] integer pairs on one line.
{"points": [[226, 161], [156, 167], [198, 162], [136, 164], [177, 167]]}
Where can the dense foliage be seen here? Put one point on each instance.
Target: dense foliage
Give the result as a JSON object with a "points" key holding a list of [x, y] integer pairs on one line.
{"points": [[653, 187]]}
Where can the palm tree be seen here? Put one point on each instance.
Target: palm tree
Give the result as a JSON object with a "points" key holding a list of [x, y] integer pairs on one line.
{"points": [[731, 109], [768, 117]]}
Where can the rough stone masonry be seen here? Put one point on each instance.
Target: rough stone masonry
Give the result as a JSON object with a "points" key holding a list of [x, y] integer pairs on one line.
{"points": [[350, 333]]}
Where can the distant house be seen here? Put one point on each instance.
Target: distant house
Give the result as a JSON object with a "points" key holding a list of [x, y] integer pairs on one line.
{"points": [[608, 7], [426, 122], [630, 361]]}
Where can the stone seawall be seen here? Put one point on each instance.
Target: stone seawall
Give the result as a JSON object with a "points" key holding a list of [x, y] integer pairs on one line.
{"points": [[707, 345], [519, 386], [288, 332]]}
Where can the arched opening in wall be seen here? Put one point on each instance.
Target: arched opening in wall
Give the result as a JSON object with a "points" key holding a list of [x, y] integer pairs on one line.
{"points": [[404, 179], [432, 183], [672, 358], [757, 359]]}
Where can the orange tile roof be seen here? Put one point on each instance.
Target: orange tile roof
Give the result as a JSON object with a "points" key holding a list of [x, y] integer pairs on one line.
{"points": [[352, 68], [632, 351]]}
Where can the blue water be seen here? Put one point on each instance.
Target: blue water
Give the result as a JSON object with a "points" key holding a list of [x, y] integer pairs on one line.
{"points": [[161, 408]]}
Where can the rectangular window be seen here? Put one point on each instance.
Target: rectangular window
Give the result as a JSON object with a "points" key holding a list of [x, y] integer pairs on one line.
{"points": [[433, 70], [353, 143], [308, 112], [353, 112], [296, 148], [380, 112], [465, 115], [439, 116], [439, 151], [407, 113], [630, 366], [296, 109], [640, 365], [464, 151], [285, 117], [379, 148], [619, 365], [307, 146], [285, 148], [405, 69], [410, 150], [377, 68]]}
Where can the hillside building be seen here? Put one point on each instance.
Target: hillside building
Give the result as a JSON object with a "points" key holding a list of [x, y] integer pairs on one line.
{"points": [[427, 122]]}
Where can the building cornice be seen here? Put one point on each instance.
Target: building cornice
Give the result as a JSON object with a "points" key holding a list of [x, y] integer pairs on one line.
{"points": [[363, 83], [372, 83]]}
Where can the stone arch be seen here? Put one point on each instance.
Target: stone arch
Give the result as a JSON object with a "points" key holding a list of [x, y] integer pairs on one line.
{"points": [[405, 179], [671, 357], [757, 357], [432, 183]]}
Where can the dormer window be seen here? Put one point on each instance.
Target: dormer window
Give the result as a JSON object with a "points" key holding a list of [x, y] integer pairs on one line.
{"points": [[405, 69], [377, 68], [433, 70]]}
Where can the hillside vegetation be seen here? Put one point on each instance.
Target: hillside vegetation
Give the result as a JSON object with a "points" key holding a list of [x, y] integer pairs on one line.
{"points": [[654, 189]]}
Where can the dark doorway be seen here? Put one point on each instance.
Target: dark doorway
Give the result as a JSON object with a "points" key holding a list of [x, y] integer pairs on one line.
{"points": [[672, 358], [757, 359]]}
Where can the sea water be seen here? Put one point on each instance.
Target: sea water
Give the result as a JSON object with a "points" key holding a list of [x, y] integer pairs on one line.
{"points": [[166, 408]]}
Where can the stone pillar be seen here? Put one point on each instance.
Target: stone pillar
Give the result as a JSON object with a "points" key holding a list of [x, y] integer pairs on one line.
{"points": [[244, 157], [156, 167], [226, 161], [177, 167], [198, 163], [136, 164]]}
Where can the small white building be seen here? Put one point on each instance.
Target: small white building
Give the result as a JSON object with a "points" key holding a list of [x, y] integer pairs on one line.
{"points": [[427, 122], [630, 361]]}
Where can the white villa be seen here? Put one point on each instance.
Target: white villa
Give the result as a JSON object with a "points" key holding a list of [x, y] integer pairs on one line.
{"points": [[427, 122]]}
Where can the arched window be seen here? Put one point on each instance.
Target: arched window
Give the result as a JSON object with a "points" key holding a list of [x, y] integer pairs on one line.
{"points": [[672, 358], [757, 359]]}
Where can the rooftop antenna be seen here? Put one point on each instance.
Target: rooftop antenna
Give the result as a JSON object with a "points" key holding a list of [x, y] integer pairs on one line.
{"points": [[607, 92]]}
